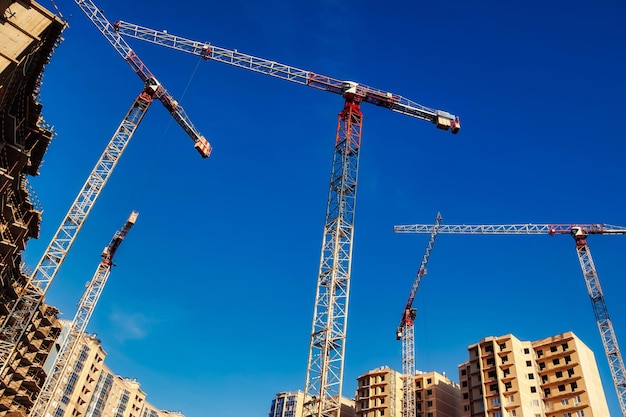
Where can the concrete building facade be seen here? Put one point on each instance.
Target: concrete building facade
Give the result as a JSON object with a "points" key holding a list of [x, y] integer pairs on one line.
{"points": [[553, 377], [92, 389], [380, 392], [291, 404], [436, 396], [28, 35], [287, 404]]}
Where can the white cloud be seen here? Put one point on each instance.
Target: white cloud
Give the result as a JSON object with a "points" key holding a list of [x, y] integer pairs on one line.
{"points": [[130, 326]]}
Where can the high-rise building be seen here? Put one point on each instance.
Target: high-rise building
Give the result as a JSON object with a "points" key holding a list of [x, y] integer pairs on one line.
{"points": [[92, 390], [380, 392], [28, 35], [287, 404], [552, 377], [291, 404]]}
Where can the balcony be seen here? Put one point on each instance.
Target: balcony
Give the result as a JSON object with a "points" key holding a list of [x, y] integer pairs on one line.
{"points": [[5, 179], [32, 385], [24, 400], [6, 400]]}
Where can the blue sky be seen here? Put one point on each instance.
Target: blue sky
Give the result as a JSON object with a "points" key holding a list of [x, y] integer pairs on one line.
{"points": [[211, 304]]}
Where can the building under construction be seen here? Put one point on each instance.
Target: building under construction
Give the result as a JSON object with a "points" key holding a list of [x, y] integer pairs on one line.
{"points": [[553, 377], [28, 36], [379, 394]]}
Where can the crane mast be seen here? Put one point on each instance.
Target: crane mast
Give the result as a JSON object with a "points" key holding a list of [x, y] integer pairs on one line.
{"points": [[406, 329], [327, 344], [579, 232], [22, 313], [51, 387], [325, 368]]}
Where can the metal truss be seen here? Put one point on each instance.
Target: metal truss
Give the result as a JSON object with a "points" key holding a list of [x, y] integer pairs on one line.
{"points": [[275, 69], [23, 312], [609, 340], [327, 344], [86, 306]]}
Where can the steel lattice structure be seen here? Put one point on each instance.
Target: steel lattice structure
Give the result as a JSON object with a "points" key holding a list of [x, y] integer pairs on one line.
{"points": [[327, 343], [579, 232], [275, 69], [86, 305], [18, 320], [408, 369], [124, 50], [406, 328]]}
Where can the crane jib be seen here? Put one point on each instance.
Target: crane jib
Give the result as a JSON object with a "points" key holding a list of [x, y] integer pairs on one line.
{"points": [[442, 119]]}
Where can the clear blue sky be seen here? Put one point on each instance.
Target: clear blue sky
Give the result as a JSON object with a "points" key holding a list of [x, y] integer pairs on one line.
{"points": [[211, 304]]}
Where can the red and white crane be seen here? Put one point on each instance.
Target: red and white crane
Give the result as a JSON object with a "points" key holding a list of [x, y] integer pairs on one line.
{"points": [[49, 400], [324, 374], [579, 232], [21, 316], [406, 329]]}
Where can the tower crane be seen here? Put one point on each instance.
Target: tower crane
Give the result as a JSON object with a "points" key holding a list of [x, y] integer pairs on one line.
{"points": [[406, 330], [579, 232], [23, 311], [44, 404], [324, 374]]}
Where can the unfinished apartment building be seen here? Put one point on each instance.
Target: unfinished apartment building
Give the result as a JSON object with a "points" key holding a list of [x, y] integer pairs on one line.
{"points": [[28, 35], [552, 377], [380, 392], [92, 389], [436, 396]]}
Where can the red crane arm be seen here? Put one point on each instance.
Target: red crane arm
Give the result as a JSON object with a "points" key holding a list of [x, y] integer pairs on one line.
{"points": [[397, 103]]}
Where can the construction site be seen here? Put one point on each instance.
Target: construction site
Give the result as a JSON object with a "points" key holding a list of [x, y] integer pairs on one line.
{"points": [[208, 308]]}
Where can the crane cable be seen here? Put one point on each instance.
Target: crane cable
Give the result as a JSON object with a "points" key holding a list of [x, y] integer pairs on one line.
{"points": [[143, 169]]}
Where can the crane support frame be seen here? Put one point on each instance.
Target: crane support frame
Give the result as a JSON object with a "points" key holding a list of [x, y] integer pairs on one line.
{"points": [[406, 328], [275, 69], [327, 344], [20, 317], [579, 232], [605, 326], [408, 369], [69, 349]]}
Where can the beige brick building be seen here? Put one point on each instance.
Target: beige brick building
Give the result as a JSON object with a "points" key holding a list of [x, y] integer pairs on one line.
{"points": [[552, 377], [379, 394], [436, 396], [92, 390]]}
